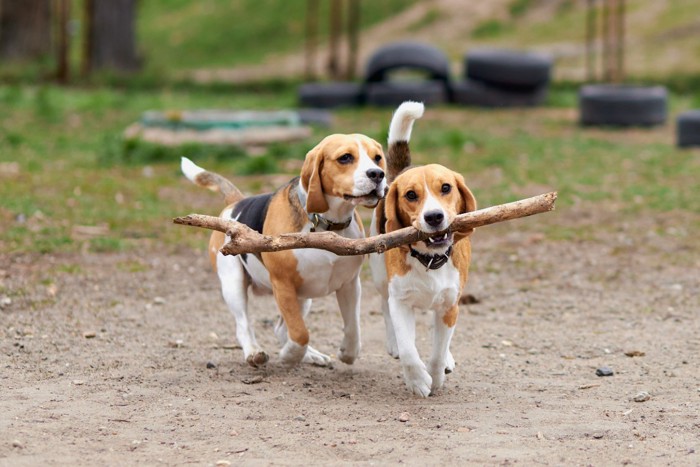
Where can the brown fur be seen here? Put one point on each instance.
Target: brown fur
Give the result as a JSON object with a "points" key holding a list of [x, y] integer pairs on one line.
{"points": [[400, 212]]}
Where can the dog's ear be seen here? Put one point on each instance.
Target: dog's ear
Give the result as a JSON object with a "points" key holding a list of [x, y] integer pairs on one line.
{"points": [[311, 181], [467, 203], [391, 209]]}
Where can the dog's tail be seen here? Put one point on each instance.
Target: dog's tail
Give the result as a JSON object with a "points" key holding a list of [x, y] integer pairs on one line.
{"points": [[399, 156], [211, 180]]}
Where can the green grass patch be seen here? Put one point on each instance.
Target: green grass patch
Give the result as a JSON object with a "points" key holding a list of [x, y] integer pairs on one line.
{"points": [[490, 29]]}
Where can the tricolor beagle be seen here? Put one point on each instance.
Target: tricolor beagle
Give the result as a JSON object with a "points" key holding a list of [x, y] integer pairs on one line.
{"points": [[340, 173], [427, 275]]}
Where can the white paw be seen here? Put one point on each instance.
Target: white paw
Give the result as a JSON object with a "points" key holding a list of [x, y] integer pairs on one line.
{"points": [[417, 380], [437, 372], [391, 347], [349, 354], [314, 357], [292, 353], [257, 358], [450, 363]]}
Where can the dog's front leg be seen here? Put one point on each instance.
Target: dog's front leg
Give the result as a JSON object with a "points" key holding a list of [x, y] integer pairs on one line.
{"points": [[417, 378], [443, 330], [294, 349], [349, 302]]}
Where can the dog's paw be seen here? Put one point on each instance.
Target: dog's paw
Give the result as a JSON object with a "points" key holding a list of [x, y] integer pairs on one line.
{"points": [[257, 358], [314, 357], [349, 350], [450, 363], [292, 354], [418, 380], [437, 373], [391, 348]]}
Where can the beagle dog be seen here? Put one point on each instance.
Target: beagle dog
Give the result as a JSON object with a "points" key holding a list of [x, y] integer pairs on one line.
{"points": [[427, 275], [340, 173]]}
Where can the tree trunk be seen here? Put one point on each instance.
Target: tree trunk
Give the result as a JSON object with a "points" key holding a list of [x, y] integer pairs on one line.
{"points": [[25, 29], [112, 35]]}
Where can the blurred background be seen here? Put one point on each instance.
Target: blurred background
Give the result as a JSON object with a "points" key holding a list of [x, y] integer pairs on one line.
{"points": [[76, 75]]}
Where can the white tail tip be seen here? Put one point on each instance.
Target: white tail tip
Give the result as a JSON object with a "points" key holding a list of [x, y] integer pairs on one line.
{"points": [[190, 169], [402, 121]]}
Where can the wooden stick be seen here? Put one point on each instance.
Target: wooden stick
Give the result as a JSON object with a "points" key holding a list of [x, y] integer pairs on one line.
{"points": [[246, 240]]}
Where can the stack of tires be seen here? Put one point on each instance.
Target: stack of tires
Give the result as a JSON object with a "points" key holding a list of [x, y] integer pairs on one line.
{"points": [[381, 90], [503, 78], [622, 105]]}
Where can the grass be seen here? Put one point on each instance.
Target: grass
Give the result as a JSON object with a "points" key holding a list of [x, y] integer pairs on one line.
{"points": [[54, 174]]}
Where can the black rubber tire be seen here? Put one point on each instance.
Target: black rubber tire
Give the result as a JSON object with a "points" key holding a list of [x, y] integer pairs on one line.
{"points": [[394, 93], [331, 95], [410, 55], [479, 94], [688, 128], [508, 69], [622, 105]]}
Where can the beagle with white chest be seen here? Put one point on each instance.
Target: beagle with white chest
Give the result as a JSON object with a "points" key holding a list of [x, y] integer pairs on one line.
{"points": [[427, 275], [340, 173]]}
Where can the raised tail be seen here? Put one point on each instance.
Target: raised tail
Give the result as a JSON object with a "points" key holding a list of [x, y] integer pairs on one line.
{"points": [[211, 180], [399, 156]]}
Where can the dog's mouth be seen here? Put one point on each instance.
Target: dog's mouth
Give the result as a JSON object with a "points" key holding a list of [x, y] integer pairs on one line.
{"points": [[439, 241], [369, 200]]}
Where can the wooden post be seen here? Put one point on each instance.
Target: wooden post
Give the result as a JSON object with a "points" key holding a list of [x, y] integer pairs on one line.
{"points": [[334, 32], [62, 10], [88, 35], [620, 40], [591, 12], [353, 37], [311, 39]]}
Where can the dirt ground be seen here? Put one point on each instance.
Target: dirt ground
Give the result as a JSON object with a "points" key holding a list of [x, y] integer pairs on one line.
{"points": [[128, 359]]}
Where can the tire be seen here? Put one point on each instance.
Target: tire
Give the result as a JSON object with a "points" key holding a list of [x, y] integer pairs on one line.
{"points": [[688, 128], [478, 94], [622, 105], [394, 93], [508, 69], [411, 55], [331, 95]]}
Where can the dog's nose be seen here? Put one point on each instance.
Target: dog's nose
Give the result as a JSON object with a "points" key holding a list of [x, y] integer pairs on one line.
{"points": [[434, 218], [376, 175]]}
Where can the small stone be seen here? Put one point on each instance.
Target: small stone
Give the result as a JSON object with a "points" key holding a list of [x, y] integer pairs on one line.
{"points": [[635, 353], [230, 346], [300, 418], [211, 365], [642, 396], [222, 463], [463, 429], [17, 444], [404, 417], [176, 344], [604, 371], [254, 380], [5, 301], [159, 301], [78, 382], [89, 334], [598, 435]]}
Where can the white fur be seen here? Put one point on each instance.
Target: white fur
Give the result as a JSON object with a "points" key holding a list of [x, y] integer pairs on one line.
{"points": [[363, 184], [190, 169], [436, 290], [402, 121]]}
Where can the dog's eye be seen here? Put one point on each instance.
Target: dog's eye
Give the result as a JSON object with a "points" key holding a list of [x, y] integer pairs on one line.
{"points": [[446, 188], [377, 158], [411, 195], [346, 159]]}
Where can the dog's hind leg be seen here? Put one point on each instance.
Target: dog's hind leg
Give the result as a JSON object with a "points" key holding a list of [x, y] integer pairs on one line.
{"points": [[235, 293], [312, 356], [390, 344]]}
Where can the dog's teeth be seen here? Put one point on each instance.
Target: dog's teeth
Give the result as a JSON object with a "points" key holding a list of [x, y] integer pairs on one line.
{"points": [[444, 237], [431, 240]]}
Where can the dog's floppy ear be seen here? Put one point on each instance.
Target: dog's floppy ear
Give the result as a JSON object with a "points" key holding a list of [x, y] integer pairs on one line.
{"points": [[467, 203], [311, 181], [391, 209]]}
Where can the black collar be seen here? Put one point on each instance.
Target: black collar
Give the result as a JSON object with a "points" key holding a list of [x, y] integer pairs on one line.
{"points": [[432, 261], [318, 222]]}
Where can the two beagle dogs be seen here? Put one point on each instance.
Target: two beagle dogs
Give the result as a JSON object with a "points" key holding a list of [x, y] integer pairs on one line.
{"points": [[339, 174]]}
